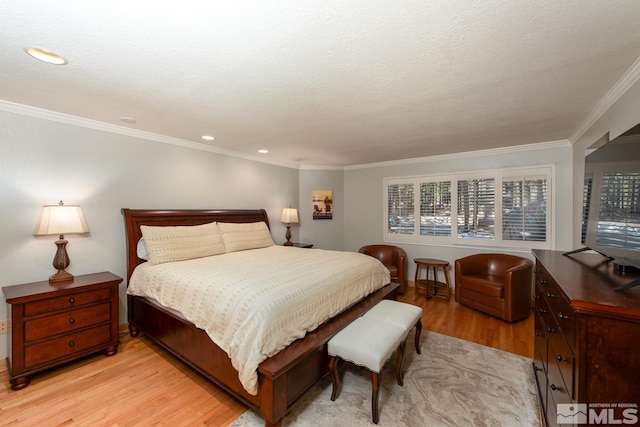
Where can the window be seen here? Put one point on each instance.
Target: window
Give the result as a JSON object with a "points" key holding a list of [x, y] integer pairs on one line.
{"points": [[524, 209], [507, 208], [400, 208], [476, 208], [435, 208]]}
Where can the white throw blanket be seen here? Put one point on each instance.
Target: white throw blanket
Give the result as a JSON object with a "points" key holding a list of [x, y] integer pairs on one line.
{"points": [[254, 303]]}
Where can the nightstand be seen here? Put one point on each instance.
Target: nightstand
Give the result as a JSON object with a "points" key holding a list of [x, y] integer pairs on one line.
{"points": [[302, 245], [55, 323]]}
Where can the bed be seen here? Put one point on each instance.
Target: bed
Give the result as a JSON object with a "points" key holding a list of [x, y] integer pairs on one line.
{"points": [[282, 378]]}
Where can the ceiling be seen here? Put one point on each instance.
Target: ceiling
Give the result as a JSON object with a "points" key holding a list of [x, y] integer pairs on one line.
{"points": [[331, 82]]}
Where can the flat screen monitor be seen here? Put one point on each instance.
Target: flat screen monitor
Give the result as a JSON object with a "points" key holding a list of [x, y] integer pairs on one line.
{"points": [[611, 201]]}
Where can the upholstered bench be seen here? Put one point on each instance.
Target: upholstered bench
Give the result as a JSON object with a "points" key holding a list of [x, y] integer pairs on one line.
{"points": [[403, 315], [371, 340]]}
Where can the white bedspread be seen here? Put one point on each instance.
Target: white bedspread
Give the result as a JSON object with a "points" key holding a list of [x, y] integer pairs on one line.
{"points": [[254, 303]]}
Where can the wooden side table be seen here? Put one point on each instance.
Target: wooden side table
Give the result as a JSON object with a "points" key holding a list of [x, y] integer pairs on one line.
{"points": [[430, 264], [53, 323], [302, 245]]}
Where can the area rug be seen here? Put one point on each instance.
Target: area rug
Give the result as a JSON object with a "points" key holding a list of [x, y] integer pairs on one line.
{"points": [[452, 383]]}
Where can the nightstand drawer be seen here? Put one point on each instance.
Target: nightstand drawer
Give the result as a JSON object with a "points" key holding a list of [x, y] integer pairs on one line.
{"points": [[70, 301], [68, 321], [67, 345]]}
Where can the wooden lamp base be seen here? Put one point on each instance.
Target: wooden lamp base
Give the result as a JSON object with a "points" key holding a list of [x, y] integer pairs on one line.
{"points": [[61, 262], [288, 236]]}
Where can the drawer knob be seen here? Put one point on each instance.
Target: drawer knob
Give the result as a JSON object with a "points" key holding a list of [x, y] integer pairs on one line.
{"points": [[559, 358], [562, 316], [537, 271], [542, 310], [555, 387], [550, 295], [543, 282], [72, 344], [72, 300], [72, 320], [550, 329]]}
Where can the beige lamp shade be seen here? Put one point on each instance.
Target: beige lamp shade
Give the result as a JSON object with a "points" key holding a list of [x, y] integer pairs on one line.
{"points": [[289, 216], [61, 219]]}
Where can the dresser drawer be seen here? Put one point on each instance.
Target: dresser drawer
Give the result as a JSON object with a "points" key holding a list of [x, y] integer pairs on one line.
{"points": [[561, 355], [558, 390], [69, 301], [540, 343], [562, 312], [67, 321], [66, 346], [541, 381]]}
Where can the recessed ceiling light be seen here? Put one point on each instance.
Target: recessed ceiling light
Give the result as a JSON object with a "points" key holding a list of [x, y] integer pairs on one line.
{"points": [[128, 119], [263, 151], [208, 137], [45, 55]]}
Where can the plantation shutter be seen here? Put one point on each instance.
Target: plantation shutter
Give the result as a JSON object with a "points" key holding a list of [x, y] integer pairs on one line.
{"points": [[524, 209], [400, 208], [476, 209], [435, 208]]}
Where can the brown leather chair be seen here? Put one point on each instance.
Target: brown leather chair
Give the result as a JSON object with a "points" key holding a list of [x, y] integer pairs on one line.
{"points": [[496, 284], [394, 258]]}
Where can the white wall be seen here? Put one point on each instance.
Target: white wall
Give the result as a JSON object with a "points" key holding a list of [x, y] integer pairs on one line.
{"points": [[324, 233], [364, 197], [43, 162]]}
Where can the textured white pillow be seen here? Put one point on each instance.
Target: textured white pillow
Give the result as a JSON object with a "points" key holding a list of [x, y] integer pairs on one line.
{"points": [[168, 244], [243, 236]]}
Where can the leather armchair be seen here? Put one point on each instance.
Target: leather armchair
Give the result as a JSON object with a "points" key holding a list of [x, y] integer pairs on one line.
{"points": [[496, 284], [394, 258]]}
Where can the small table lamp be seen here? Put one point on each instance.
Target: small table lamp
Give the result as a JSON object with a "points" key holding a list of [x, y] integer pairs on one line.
{"points": [[61, 219], [289, 216]]}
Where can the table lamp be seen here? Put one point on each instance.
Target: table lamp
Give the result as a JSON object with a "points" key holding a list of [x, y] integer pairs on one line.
{"points": [[61, 219], [289, 216]]}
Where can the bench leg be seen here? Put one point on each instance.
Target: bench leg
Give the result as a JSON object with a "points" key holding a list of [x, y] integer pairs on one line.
{"points": [[335, 379], [400, 363], [418, 332], [375, 382]]}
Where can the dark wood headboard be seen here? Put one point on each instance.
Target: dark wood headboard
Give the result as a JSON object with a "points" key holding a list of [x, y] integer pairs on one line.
{"points": [[134, 218]]}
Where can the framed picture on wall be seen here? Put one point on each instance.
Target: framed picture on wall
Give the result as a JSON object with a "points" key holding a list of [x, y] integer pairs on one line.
{"points": [[322, 201]]}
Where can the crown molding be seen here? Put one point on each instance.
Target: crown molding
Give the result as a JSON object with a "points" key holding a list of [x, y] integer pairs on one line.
{"points": [[467, 154], [628, 79], [54, 116], [322, 167]]}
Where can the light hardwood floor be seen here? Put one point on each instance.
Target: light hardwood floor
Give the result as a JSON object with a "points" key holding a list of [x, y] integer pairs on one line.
{"points": [[144, 386]]}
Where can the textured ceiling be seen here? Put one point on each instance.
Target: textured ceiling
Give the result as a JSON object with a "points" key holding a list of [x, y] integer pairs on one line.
{"points": [[334, 83]]}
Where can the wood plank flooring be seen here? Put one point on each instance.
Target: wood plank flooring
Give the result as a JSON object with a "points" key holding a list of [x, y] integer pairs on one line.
{"points": [[144, 386], [452, 319]]}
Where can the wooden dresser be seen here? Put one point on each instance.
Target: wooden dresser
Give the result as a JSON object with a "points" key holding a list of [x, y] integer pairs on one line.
{"points": [[587, 337], [55, 323]]}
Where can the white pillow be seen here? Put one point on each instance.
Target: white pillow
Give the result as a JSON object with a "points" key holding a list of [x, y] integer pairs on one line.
{"points": [[179, 243], [243, 236], [141, 250]]}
